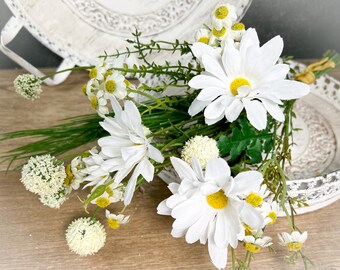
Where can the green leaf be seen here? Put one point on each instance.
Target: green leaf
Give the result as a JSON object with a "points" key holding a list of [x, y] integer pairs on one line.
{"points": [[244, 138]]}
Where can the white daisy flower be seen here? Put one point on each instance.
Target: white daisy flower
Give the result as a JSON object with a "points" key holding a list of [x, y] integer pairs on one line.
{"points": [[76, 167], [28, 86], [99, 103], [99, 72], [293, 241], [201, 147], [246, 78], [269, 212], [113, 193], [57, 199], [224, 15], [96, 176], [85, 236], [203, 35], [254, 245], [114, 85], [256, 197], [43, 175], [237, 31], [199, 49], [207, 206], [114, 221], [127, 149]]}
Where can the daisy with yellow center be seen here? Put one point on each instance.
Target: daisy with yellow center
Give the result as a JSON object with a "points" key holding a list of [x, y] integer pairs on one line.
{"points": [[224, 15], [203, 35], [207, 205], [270, 211], [114, 85], [246, 78], [113, 193], [99, 103], [255, 244], [293, 241], [237, 31], [114, 221]]}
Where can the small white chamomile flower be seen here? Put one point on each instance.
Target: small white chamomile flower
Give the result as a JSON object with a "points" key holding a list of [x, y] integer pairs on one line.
{"points": [[85, 236], [75, 168], [224, 15], [115, 221], [254, 245], [57, 199], [293, 241], [43, 175], [99, 103], [201, 147], [99, 72], [237, 31], [203, 35], [113, 193], [269, 212], [255, 198], [28, 86], [114, 85]]}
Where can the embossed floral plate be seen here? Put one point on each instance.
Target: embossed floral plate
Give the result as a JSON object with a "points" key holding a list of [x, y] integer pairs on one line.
{"points": [[80, 30]]}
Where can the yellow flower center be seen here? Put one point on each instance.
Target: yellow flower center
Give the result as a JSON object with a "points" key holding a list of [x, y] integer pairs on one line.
{"points": [[252, 247], [94, 103], [83, 89], [107, 73], [113, 223], [218, 200], [294, 246], [238, 82], [238, 26], [127, 83], [273, 216], [109, 191], [203, 39], [248, 230], [254, 199], [219, 33], [221, 12], [102, 202], [110, 86], [69, 176], [93, 73]]}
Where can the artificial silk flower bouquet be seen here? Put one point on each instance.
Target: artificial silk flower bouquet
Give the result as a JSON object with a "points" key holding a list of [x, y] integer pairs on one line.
{"points": [[220, 117]]}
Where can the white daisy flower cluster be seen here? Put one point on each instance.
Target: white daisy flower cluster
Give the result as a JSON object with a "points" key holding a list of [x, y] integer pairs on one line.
{"points": [[28, 86], [105, 83], [74, 173], [85, 236], [208, 207], [245, 78], [224, 28], [127, 150], [113, 193]]}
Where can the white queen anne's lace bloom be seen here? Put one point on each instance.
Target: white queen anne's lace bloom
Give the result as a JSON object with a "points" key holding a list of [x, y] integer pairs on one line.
{"points": [[201, 147], [85, 236], [57, 199], [207, 206], [248, 78], [43, 175], [127, 149], [28, 86]]}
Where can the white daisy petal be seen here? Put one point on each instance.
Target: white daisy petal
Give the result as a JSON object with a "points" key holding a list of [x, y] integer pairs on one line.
{"points": [[287, 90], [246, 182], [210, 93], [273, 109], [214, 67], [252, 217], [272, 50], [233, 111], [205, 81], [217, 171], [256, 113], [197, 106]]}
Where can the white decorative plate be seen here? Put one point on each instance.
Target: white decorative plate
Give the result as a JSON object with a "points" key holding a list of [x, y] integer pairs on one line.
{"points": [[80, 30]]}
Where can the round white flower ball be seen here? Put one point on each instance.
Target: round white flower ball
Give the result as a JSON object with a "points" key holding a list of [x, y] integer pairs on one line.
{"points": [[57, 199], [201, 147], [28, 86], [43, 175], [85, 236]]}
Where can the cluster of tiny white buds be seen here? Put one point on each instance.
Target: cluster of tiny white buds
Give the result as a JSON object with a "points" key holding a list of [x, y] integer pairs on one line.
{"points": [[28, 86]]}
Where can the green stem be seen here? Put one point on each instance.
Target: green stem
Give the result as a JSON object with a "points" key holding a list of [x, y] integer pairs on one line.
{"points": [[233, 259]]}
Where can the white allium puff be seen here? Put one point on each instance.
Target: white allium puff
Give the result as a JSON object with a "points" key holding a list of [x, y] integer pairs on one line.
{"points": [[57, 199], [85, 236], [28, 86], [43, 175], [201, 147]]}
